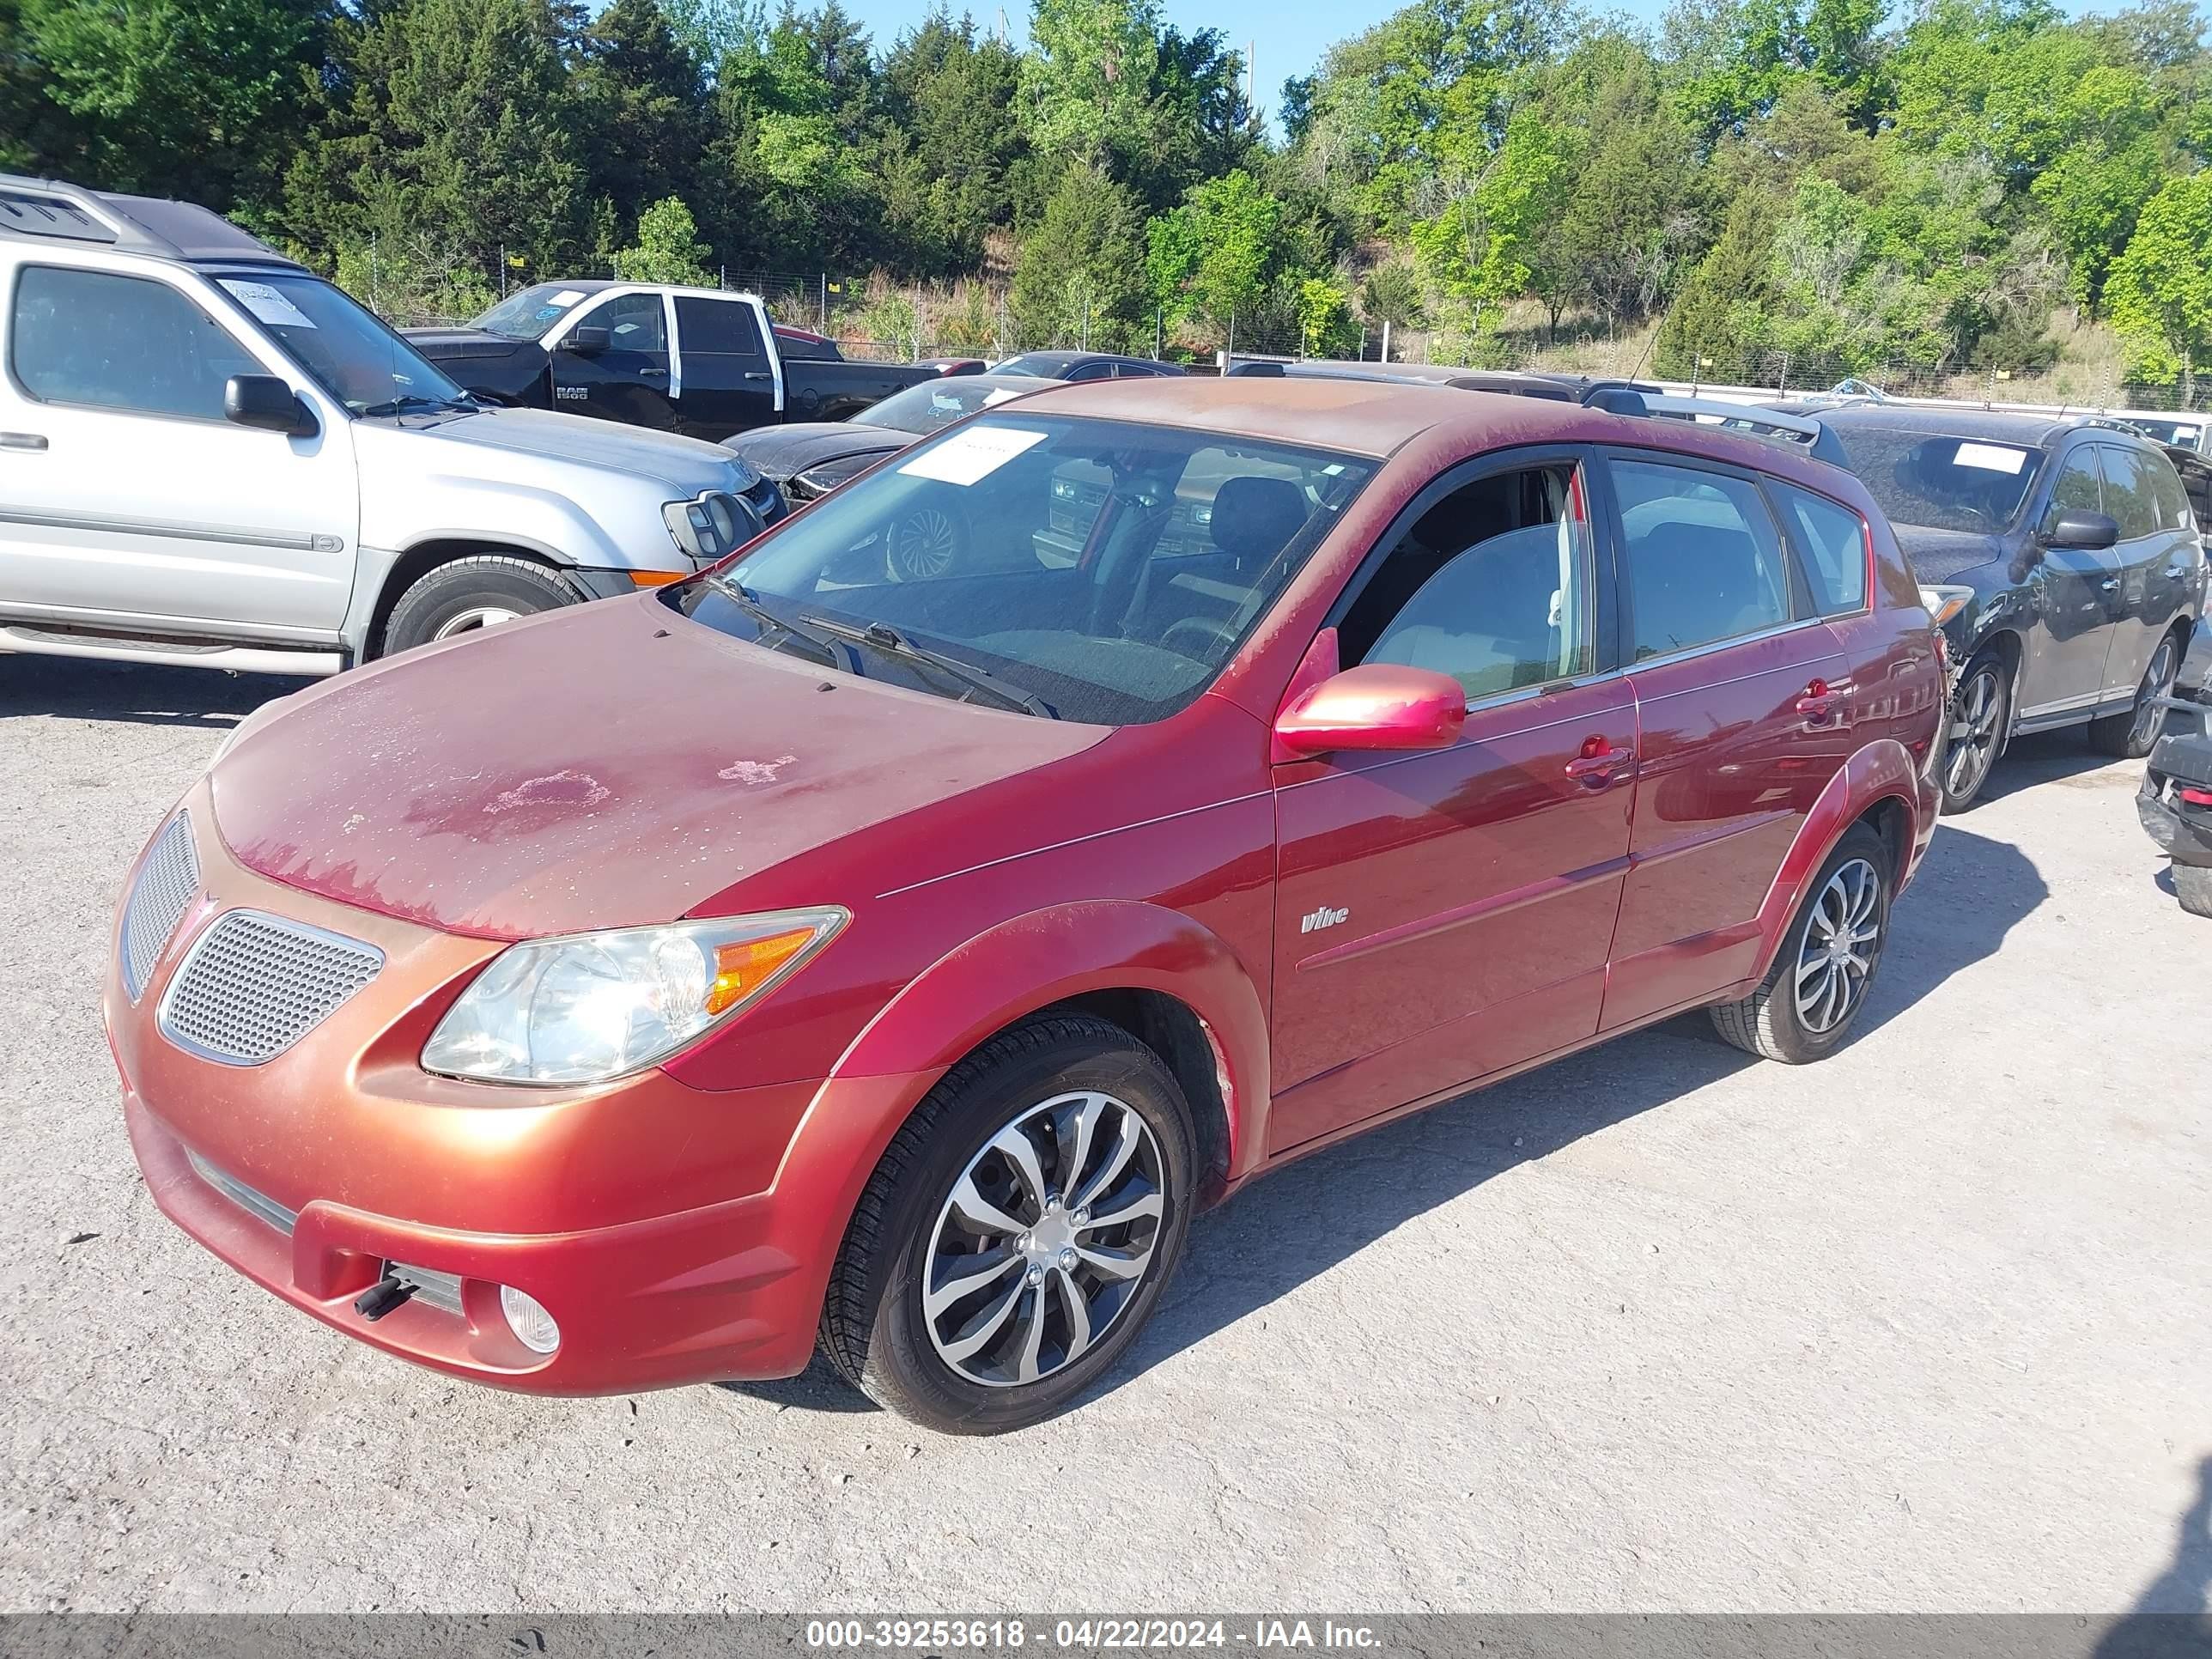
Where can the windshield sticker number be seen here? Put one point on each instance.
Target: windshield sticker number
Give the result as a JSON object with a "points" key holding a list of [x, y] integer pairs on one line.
{"points": [[972, 454], [267, 305], [1990, 458]]}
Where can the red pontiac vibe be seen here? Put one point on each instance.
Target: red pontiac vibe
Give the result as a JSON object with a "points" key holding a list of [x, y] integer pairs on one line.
{"points": [[892, 954]]}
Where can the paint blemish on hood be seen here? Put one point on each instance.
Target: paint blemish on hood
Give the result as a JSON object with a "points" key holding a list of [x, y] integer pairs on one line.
{"points": [[750, 771]]}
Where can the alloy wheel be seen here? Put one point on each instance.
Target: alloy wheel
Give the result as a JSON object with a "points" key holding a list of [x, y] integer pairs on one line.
{"points": [[924, 544], [475, 619], [1843, 935], [1974, 734], [2150, 707], [1044, 1240]]}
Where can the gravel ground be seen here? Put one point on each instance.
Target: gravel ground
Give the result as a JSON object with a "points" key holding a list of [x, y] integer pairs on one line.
{"points": [[1922, 1327]]}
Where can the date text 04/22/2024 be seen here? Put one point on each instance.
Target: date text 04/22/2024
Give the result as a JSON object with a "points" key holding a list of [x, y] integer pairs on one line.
{"points": [[1090, 1635]]}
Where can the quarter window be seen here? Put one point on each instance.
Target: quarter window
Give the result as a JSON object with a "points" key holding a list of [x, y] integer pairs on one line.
{"points": [[1490, 586], [122, 343], [1704, 562], [1832, 540]]}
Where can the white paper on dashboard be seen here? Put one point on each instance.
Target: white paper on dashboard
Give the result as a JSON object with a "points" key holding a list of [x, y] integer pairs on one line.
{"points": [[975, 453], [999, 395], [567, 296], [267, 304], [1990, 458]]}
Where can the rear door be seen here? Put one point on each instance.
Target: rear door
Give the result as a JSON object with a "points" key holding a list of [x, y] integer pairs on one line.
{"points": [[127, 501], [1742, 694], [627, 380], [1442, 915], [726, 381]]}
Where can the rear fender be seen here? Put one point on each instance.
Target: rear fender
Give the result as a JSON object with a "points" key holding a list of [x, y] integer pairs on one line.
{"points": [[1882, 770], [1033, 960]]}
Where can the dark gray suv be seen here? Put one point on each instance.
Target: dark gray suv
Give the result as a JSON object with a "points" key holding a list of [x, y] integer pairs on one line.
{"points": [[2059, 554]]}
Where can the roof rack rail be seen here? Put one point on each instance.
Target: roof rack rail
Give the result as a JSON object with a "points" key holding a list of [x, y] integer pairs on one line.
{"points": [[55, 210]]}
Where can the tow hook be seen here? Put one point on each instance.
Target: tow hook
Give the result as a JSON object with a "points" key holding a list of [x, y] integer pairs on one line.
{"points": [[381, 1297]]}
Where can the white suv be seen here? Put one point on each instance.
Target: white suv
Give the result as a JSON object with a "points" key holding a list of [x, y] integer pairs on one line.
{"points": [[209, 455]]}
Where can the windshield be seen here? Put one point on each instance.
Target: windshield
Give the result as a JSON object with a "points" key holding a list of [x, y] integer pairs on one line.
{"points": [[935, 403], [2186, 433], [1943, 483], [527, 312], [1106, 568], [347, 348]]}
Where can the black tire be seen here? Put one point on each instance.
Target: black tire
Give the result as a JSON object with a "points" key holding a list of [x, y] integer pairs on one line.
{"points": [[442, 604], [1769, 1022], [1975, 741], [875, 1330], [2134, 734], [2192, 885]]}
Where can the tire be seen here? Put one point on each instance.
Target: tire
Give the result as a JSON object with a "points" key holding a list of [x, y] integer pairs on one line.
{"points": [[928, 539], [1770, 1021], [2192, 885], [473, 594], [877, 1329], [2132, 735], [1980, 716]]}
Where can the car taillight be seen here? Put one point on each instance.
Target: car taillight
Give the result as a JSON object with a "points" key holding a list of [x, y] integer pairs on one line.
{"points": [[2194, 796]]}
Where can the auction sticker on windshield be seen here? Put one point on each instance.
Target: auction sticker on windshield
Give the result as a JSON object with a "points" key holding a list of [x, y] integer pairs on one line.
{"points": [[267, 305], [1990, 458], [971, 454]]}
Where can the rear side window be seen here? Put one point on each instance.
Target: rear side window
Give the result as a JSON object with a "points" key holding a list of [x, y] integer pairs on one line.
{"points": [[1704, 563], [2171, 499], [2129, 496], [121, 342], [1832, 540], [722, 326]]}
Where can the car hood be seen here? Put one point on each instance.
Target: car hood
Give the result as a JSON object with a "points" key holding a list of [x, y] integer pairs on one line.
{"points": [[479, 441], [449, 345], [613, 765], [784, 452], [1937, 556]]}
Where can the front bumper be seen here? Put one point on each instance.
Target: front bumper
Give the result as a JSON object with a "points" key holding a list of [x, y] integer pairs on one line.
{"points": [[675, 1235]]}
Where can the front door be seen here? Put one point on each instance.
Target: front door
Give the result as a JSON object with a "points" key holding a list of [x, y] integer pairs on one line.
{"points": [[1742, 696], [726, 383], [128, 502], [1443, 915], [2072, 593], [626, 379]]}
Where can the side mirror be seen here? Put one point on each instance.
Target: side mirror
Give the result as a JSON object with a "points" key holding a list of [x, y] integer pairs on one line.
{"points": [[269, 402], [1377, 705], [588, 341], [2083, 531]]}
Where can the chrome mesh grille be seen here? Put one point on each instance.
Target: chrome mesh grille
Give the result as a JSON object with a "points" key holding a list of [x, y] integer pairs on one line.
{"points": [[254, 984], [167, 881]]}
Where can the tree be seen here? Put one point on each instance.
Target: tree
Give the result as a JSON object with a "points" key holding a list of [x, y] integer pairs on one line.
{"points": [[2160, 291], [948, 142], [642, 99], [667, 249], [1089, 74], [1723, 310], [1479, 247], [1326, 328], [1213, 256], [1079, 277]]}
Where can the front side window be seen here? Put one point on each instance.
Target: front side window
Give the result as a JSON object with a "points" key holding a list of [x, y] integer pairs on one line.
{"points": [[634, 322], [1704, 563], [346, 349], [120, 343], [1490, 586], [2076, 489], [1106, 569], [1832, 540], [2130, 496]]}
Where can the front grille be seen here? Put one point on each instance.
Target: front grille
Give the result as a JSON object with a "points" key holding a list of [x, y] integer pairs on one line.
{"points": [[253, 985], [167, 881], [438, 1290], [767, 501], [260, 1205]]}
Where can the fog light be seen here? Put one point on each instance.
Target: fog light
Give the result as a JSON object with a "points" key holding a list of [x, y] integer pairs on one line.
{"points": [[527, 1317]]}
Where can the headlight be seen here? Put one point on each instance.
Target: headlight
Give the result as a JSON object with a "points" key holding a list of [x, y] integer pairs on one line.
{"points": [[1944, 603], [714, 525], [593, 1007]]}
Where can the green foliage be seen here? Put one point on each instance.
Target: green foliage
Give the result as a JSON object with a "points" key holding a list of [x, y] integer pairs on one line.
{"points": [[1080, 276], [1326, 328], [1213, 256], [667, 249], [2161, 289]]}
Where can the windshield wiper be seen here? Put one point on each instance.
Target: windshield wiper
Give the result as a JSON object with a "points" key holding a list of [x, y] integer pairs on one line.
{"points": [[885, 637], [834, 652], [464, 404]]}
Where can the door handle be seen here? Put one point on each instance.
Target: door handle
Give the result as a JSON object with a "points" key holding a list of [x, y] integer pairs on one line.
{"points": [[1596, 764], [1817, 701], [2110, 584], [652, 373], [758, 375], [33, 441]]}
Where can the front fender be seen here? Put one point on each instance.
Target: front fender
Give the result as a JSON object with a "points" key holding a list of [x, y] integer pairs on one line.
{"points": [[1882, 770], [1031, 961]]}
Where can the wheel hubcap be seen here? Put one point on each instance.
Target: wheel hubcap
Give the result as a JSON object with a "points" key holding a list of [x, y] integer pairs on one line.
{"points": [[1836, 957], [2158, 683], [473, 619], [1044, 1240], [925, 544], [1973, 732]]}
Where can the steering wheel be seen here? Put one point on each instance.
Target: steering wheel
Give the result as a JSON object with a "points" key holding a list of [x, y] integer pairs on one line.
{"points": [[1208, 635]]}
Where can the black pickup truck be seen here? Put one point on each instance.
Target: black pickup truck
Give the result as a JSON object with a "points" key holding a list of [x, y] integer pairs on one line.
{"points": [[695, 361]]}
